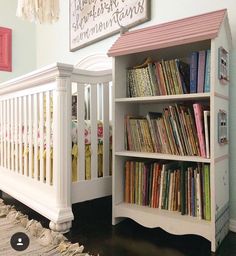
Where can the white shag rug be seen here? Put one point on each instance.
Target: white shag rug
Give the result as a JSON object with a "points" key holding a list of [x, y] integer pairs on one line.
{"points": [[42, 241]]}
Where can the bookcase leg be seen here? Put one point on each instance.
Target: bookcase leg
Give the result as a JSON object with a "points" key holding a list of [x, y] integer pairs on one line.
{"points": [[213, 247], [116, 220]]}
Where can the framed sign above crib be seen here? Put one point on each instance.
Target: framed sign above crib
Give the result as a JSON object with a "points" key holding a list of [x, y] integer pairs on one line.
{"points": [[5, 49], [94, 20]]}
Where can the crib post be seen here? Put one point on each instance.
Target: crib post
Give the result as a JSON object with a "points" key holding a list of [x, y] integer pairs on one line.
{"points": [[62, 153]]}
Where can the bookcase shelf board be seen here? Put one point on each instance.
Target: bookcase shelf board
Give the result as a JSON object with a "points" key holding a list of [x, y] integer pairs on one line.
{"points": [[166, 98], [163, 156], [167, 162]]}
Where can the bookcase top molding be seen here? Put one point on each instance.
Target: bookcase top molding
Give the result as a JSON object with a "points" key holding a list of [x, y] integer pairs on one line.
{"points": [[183, 31]]}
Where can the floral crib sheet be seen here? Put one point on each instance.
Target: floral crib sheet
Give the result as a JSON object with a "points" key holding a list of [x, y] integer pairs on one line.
{"points": [[10, 136]]}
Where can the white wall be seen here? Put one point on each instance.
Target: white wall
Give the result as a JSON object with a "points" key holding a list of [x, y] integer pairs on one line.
{"points": [[23, 41]]}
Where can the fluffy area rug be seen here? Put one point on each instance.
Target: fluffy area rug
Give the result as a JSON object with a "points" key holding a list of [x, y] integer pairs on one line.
{"points": [[42, 241]]}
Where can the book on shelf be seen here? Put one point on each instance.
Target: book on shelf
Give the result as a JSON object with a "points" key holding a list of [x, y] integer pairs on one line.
{"points": [[193, 72], [206, 115], [173, 186], [201, 71], [207, 71], [198, 113], [184, 73]]}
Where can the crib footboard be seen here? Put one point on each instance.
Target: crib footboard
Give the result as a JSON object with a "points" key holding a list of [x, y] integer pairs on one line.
{"points": [[35, 142]]}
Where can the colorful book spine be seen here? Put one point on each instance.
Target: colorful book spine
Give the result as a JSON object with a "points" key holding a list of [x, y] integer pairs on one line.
{"points": [[207, 72], [193, 72], [127, 182], [206, 114], [198, 113], [201, 71], [207, 191]]}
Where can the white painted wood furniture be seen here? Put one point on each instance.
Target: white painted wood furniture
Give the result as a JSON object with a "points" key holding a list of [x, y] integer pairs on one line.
{"points": [[36, 145], [168, 41]]}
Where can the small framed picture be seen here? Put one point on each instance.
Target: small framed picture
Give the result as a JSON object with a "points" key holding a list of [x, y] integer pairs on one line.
{"points": [[223, 65], [222, 127], [5, 49]]}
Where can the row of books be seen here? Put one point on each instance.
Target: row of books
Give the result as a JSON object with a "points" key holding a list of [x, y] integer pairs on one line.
{"points": [[182, 187], [168, 77], [178, 130]]}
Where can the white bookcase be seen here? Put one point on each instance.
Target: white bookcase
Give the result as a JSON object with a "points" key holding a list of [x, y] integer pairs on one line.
{"points": [[169, 41]]}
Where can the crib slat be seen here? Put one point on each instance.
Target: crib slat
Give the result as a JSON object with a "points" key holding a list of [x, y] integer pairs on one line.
{"points": [[48, 134], [12, 134], [36, 136], [106, 129], [1, 120], [20, 114], [4, 131], [30, 136], [94, 139], [25, 153], [80, 132], [41, 126], [8, 134], [16, 134]]}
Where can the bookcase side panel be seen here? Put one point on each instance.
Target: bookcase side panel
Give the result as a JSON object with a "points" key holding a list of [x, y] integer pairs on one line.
{"points": [[221, 200]]}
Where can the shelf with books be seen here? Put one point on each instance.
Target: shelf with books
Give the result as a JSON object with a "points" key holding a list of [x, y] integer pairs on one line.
{"points": [[167, 113], [177, 129], [188, 74]]}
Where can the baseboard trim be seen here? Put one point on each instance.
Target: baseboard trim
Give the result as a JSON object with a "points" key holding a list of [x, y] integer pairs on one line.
{"points": [[232, 225]]}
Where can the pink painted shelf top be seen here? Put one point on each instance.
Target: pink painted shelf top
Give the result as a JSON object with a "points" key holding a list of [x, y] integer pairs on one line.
{"points": [[188, 30]]}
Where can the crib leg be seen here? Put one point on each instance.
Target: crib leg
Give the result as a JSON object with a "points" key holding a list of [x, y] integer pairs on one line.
{"points": [[60, 227]]}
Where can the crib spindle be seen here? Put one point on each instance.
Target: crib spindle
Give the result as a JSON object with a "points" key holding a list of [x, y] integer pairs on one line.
{"points": [[25, 153], [30, 136], [80, 132], [41, 131], [48, 135], [8, 134], [12, 134], [1, 120], [4, 132], [94, 139], [36, 136], [20, 113], [1, 140], [16, 134], [106, 139]]}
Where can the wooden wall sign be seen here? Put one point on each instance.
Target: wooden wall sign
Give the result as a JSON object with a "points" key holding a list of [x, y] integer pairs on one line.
{"points": [[5, 49], [93, 20]]}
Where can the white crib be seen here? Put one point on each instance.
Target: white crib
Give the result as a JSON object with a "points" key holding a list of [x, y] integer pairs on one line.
{"points": [[36, 142]]}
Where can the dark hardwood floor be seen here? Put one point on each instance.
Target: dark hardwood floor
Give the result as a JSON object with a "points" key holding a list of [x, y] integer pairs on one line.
{"points": [[92, 228]]}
